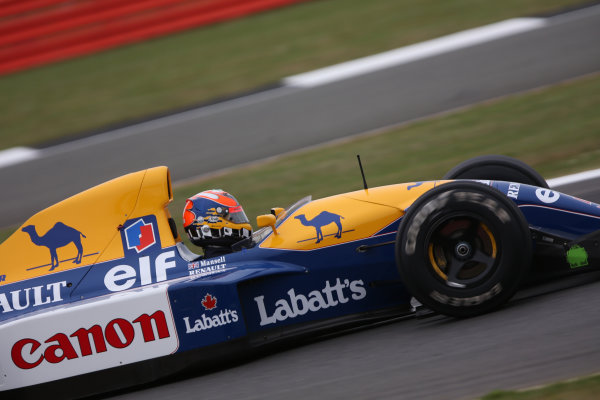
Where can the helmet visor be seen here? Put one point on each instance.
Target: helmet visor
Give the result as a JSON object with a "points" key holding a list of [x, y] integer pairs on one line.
{"points": [[237, 215]]}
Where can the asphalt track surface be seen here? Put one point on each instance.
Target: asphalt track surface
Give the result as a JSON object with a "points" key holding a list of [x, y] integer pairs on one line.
{"points": [[288, 118], [542, 336]]}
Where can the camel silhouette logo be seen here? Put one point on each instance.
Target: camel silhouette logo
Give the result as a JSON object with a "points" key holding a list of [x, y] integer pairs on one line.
{"points": [[59, 236], [323, 219]]}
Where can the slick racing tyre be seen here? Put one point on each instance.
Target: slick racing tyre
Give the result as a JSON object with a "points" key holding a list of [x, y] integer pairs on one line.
{"points": [[463, 248], [497, 168]]}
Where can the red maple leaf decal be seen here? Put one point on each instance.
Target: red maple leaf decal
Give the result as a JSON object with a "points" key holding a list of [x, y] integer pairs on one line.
{"points": [[209, 302]]}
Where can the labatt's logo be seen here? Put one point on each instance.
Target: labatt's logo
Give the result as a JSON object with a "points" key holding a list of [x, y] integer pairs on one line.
{"points": [[299, 304], [119, 333], [205, 322]]}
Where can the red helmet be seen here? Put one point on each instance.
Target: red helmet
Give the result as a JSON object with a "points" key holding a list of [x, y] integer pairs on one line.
{"points": [[215, 218]]}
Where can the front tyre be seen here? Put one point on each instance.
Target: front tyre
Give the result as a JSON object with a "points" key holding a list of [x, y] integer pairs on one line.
{"points": [[463, 248]]}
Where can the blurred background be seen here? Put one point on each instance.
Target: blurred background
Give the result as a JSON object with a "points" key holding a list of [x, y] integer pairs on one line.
{"points": [[92, 89]]}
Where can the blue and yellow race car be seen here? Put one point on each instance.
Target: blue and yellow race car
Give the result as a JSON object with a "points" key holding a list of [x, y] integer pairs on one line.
{"points": [[99, 292]]}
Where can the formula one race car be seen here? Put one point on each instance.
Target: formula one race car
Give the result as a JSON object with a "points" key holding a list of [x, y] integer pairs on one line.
{"points": [[98, 291]]}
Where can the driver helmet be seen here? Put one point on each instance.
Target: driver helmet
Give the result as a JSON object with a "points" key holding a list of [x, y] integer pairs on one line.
{"points": [[215, 218]]}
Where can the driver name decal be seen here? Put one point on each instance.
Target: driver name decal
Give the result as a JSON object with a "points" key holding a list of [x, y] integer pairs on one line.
{"points": [[208, 267], [299, 304]]}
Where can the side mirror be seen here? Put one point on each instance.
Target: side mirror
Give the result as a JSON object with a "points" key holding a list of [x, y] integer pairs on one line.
{"points": [[267, 220], [276, 211]]}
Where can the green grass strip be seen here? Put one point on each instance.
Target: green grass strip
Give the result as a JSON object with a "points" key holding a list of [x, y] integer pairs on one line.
{"points": [[580, 389], [88, 93]]}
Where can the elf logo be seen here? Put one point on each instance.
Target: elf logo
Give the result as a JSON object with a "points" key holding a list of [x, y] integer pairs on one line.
{"points": [[124, 276], [140, 235]]}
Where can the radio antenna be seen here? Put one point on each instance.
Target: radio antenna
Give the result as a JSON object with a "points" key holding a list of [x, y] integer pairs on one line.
{"points": [[362, 172]]}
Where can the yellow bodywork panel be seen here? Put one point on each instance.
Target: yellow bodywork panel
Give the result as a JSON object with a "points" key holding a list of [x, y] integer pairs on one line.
{"points": [[400, 196], [89, 220], [331, 221], [346, 217]]}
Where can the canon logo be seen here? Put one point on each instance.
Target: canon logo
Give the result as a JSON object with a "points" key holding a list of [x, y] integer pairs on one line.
{"points": [[119, 333]]}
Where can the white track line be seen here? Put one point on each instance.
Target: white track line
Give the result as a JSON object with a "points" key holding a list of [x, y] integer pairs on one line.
{"points": [[414, 52], [17, 155], [574, 178]]}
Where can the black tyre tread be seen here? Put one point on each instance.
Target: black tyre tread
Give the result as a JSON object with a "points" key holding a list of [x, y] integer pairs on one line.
{"points": [[521, 234]]}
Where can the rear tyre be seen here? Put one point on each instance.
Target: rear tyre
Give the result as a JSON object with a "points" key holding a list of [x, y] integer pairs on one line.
{"points": [[463, 248], [498, 168]]}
